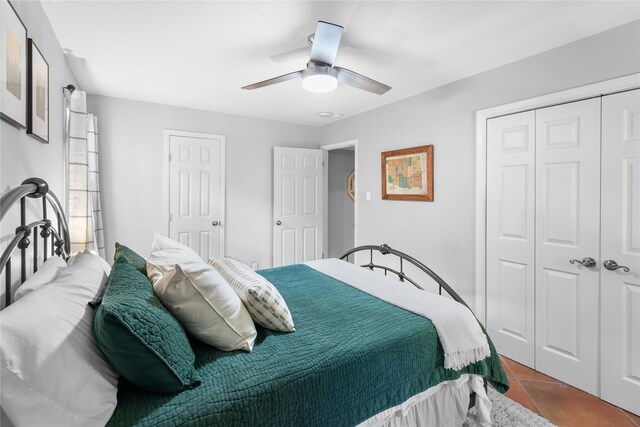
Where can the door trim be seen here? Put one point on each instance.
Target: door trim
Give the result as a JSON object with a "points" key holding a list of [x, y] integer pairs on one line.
{"points": [[168, 133], [607, 87], [325, 183]]}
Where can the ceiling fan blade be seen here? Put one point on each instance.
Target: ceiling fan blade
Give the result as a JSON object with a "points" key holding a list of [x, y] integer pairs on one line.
{"points": [[351, 78], [325, 42], [274, 80]]}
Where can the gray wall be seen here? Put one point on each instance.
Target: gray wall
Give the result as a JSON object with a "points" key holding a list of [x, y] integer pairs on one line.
{"points": [[340, 217], [131, 142], [22, 156], [442, 233]]}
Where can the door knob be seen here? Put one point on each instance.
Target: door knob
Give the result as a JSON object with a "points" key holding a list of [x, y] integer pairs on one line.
{"points": [[278, 222], [613, 266], [587, 262], [215, 223]]}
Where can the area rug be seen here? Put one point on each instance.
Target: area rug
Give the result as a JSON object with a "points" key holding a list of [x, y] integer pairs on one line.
{"points": [[507, 413]]}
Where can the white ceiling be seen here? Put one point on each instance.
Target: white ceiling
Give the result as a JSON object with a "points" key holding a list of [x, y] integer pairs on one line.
{"points": [[199, 54]]}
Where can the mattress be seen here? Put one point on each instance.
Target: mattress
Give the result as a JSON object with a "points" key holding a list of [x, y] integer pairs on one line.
{"points": [[351, 357]]}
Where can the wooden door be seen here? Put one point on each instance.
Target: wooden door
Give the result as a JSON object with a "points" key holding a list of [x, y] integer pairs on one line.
{"points": [[510, 235], [568, 229], [297, 205], [620, 288]]}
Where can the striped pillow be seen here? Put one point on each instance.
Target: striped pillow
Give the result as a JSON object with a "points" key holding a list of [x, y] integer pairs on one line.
{"points": [[263, 301]]}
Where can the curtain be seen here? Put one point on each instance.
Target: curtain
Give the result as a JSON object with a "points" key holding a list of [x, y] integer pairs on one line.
{"points": [[83, 182]]}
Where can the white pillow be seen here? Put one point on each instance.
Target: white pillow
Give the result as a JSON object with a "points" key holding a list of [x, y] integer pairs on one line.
{"points": [[45, 274], [263, 301], [206, 306], [165, 254], [52, 373], [103, 264]]}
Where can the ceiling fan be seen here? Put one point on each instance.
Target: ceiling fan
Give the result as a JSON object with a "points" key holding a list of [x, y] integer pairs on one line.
{"points": [[321, 75]]}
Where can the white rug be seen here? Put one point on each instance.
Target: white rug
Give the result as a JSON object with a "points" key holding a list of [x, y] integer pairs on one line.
{"points": [[507, 413]]}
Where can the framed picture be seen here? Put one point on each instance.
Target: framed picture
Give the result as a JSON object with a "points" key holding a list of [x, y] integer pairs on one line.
{"points": [[408, 174], [38, 95], [13, 63], [351, 185]]}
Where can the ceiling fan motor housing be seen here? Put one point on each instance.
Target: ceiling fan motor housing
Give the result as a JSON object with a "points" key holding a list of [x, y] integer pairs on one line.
{"points": [[319, 77], [317, 68]]}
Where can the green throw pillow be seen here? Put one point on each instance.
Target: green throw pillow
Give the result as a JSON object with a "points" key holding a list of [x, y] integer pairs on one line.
{"points": [[141, 340], [131, 256]]}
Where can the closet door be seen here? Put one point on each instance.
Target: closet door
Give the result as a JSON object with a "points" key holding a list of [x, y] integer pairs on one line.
{"points": [[620, 291], [510, 235], [567, 228]]}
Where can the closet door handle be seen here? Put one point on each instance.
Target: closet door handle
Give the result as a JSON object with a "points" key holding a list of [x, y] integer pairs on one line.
{"points": [[611, 265], [587, 262]]}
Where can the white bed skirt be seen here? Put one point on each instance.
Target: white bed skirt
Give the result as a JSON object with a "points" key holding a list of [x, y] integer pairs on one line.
{"points": [[445, 404]]}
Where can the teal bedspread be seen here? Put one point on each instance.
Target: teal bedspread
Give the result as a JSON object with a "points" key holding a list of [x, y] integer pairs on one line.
{"points": [[351, 357]]}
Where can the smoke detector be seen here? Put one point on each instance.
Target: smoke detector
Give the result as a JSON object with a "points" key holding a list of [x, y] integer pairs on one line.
{"points": [[328, 114]]}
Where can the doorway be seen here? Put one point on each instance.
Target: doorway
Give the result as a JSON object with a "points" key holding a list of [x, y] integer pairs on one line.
{"points": [[340, 182]]}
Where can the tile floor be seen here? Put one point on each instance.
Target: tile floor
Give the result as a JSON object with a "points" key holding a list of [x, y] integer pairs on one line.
{"points": [[560, 403]]}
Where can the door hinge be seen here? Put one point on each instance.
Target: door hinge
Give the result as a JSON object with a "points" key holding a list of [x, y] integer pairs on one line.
{"points": [[323, 163], [323, 255], [170, 157], [170, 217]]}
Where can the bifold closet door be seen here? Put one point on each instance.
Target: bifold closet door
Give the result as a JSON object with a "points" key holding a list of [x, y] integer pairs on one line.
{"points": [[620, 289], [510, 235], [568, 229]]}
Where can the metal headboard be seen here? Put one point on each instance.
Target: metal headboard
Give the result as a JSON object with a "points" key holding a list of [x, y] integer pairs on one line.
{"points": [[386, 250], [59, 245]]}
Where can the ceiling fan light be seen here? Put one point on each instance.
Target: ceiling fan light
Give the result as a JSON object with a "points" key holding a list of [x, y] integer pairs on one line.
{"points": [[319, 78], [320, 83]]}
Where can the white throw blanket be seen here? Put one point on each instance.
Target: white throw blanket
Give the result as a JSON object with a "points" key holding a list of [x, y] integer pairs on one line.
{"points": [[460, 334]]}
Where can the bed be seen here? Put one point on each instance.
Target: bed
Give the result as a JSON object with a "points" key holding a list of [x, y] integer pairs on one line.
{"points": [[354, 358]]}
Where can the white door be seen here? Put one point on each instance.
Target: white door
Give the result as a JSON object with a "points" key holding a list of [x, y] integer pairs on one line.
{"points": [[620, 289], [510, 235], [568, 229], [297, 205], [196, 191]]}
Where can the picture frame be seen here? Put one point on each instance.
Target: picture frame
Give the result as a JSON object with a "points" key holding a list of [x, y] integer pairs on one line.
{"points": [[13, 63], [37, 94], [407, 174], [351, 185]]}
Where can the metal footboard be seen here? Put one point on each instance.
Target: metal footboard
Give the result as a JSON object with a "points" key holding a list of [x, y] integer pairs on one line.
{"points": [[385, 249]]}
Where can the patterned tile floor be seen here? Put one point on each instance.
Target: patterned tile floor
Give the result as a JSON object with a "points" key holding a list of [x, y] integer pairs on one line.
{"points": [[563, 405]]}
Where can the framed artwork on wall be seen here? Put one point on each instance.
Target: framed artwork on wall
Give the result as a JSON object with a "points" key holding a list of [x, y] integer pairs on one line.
{"points": [[38, 94], [351, 185], [13, 66], [407, 174]]}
